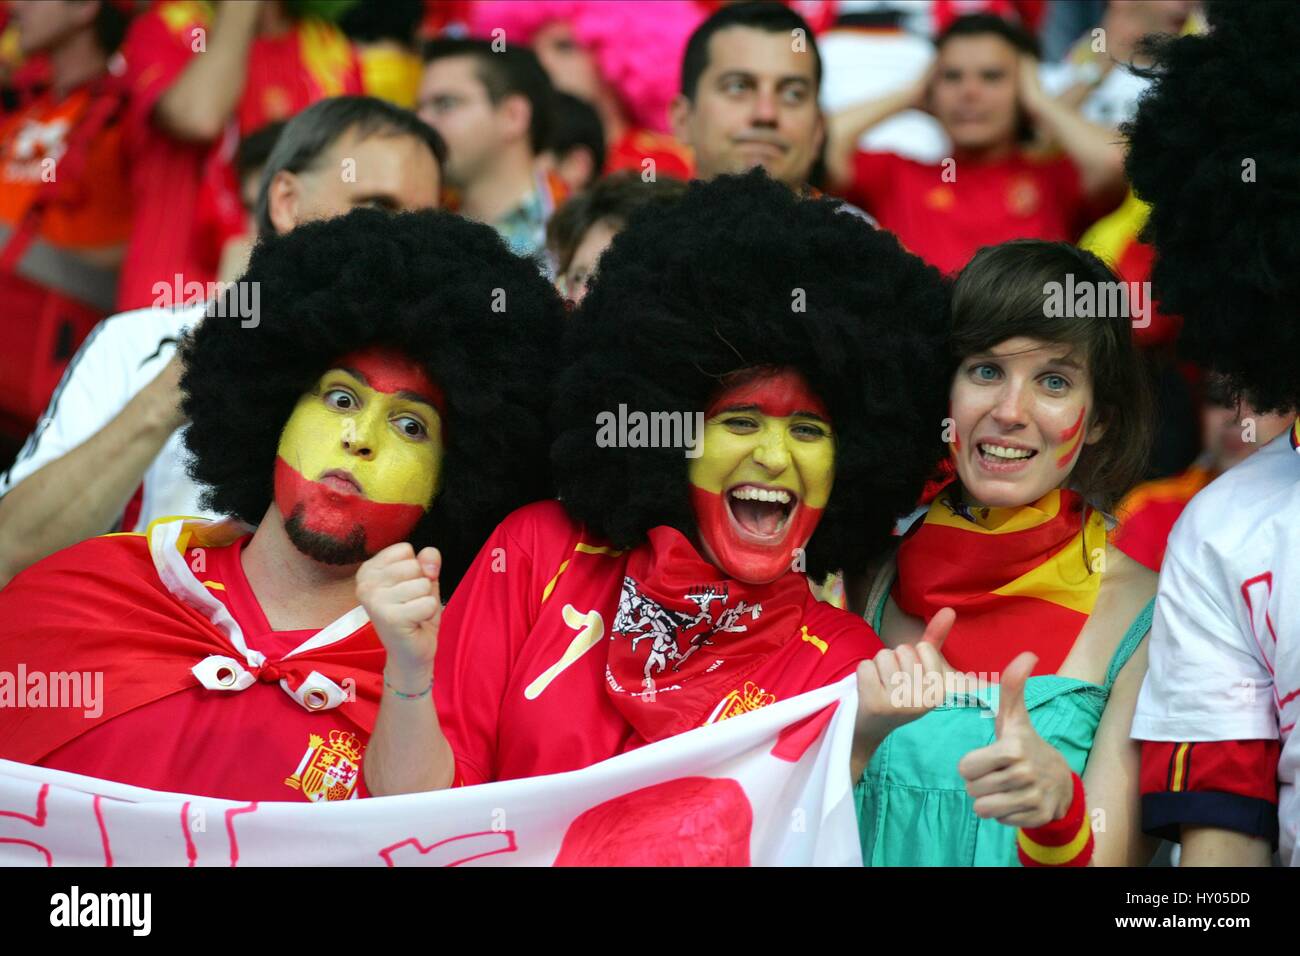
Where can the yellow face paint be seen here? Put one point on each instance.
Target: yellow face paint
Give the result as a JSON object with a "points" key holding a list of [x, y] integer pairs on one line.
{"points": [[790, 452], [359, 460], [390, 443], [764, 475]]}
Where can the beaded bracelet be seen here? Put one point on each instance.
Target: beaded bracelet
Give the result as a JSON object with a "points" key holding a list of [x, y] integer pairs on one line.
{"points": [[402, 696]]}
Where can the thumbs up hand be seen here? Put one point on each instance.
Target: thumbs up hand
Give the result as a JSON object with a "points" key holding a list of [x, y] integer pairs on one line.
{"points": [[1020, 780], [892, 685]]}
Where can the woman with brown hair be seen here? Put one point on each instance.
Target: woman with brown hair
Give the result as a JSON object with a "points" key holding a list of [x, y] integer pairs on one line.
{"points": [[1049, 424]]}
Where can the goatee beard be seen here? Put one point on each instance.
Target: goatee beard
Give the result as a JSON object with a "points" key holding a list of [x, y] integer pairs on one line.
{"points": [[326, 548]]}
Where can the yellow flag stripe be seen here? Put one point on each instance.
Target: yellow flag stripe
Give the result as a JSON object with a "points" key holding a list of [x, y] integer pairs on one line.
{"points": [[580, 548], [997, 520], [1055, 855], [1066, 578]]}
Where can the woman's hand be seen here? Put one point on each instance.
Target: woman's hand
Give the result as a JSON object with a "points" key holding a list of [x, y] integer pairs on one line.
{"points": [[900, 684], [1019, 780], [399, 590]]}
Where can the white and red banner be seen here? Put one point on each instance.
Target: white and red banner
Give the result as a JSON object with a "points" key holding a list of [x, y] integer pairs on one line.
{"points": [[770, 787]]}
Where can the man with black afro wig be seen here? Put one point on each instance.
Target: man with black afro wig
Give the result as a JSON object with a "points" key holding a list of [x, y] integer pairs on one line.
{"points": [[1214, 151], [750, 396], [374, 385]]}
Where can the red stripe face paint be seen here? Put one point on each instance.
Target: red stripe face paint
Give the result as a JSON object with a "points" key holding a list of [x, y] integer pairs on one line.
{"points": [[1072, 436], [323, 510]]}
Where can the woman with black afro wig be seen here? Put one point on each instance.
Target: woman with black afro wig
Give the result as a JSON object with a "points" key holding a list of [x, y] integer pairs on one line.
{"points": [[751, 390], [1214, 151], [373, 385]]}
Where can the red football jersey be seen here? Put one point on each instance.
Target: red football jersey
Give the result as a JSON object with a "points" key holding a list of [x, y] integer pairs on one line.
{"points": [[255, 744], [945, 214], [521, 671], [179, 190]]}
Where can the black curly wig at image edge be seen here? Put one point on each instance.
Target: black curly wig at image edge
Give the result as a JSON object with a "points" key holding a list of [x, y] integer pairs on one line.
{"points": [[1215, 150], [439, 289], [738, 274]]}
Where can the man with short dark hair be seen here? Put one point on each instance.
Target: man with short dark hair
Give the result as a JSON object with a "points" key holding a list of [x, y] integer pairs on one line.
{"points": [[492, 107], [750, 80], [107, 452]]}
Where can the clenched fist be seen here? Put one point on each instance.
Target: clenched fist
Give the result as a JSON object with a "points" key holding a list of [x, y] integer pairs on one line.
{"points": [[399, 590]]}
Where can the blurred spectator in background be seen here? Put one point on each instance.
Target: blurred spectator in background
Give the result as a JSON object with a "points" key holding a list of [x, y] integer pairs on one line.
{"points": [[64, 218], [620, 57], [1094, 77], [1230, 433], [493, 111], [386, 35], [108, 453], [585, 225], [749, 84], [576, 149], [869, 52], [984, 89], [202, 75], [250, 159]]}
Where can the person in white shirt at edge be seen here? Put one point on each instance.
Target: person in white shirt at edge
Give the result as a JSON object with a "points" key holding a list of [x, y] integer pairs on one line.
{"points": [[114, 423], [1214, 152]]}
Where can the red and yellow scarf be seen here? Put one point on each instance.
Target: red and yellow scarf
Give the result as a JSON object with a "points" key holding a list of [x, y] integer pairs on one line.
{"points": [[1020, 579]]}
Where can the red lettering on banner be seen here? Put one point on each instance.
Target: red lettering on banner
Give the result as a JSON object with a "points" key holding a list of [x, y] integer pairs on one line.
{"points": [[689, 821], [795, 740], [37, 821], [230, 829], [191, 854], [481, 841], [103, 832]]}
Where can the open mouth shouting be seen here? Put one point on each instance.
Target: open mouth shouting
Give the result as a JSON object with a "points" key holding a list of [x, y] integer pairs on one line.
{"points": [[760, 514], [1003, 457]]}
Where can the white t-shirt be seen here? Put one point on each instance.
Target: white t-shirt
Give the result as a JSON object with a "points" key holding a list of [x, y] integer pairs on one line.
{"points": [[121, 356], [1112, 102], [1225, 643]]}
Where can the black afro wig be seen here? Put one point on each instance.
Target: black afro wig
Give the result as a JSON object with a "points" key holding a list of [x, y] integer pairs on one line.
{"points": [[440, 289], [1216, 151], [741, 273]]}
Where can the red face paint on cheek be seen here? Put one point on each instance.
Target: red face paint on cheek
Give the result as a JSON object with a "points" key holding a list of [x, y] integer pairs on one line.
{"points": [[748, 561], [1073, 436], [338, 515]]}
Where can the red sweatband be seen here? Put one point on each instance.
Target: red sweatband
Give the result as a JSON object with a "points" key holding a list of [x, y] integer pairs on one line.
{"points": [[1064, 842]]}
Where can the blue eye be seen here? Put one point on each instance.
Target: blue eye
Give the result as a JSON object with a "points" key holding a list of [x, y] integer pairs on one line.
{"points": [[984, 373], [1056, 383]]}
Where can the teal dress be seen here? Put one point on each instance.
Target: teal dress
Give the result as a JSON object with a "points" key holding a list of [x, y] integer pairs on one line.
{"points": [[913, 809]]}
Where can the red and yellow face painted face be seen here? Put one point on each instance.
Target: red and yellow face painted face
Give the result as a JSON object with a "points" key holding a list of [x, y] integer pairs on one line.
{"points": [[764, 475], [360, 457], [1022, 415]]}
